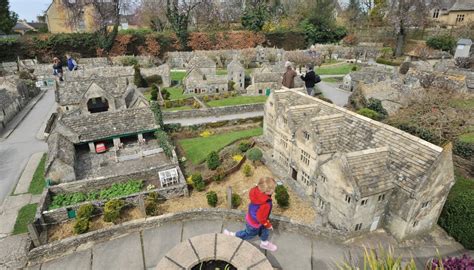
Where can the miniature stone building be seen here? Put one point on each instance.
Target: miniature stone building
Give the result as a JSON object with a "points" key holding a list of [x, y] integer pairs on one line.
{"points": [[198, 82], [112, 113], [236, 73], [463, 48], [363, 174], [202, 63], [367, 76]]}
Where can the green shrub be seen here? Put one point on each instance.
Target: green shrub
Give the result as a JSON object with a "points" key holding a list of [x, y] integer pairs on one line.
{"points": [[198, 182], [458, 212], [212, 198], [138, 78], [213, 160], [85, 211], [166, 95], [81, 225], [254, 154], [244, 146], [441, 42], [376, 105], [151, 204], [154, 92], [354, 68], [129, 61], [247, 170], [154, 79], [463, 149], [112, 210], [370, 114], [231, 85], [205, 98], [282, 197], [236, 200]]}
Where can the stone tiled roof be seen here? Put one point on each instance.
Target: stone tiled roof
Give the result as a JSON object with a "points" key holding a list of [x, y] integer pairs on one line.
{"points": [[98, 126], [5, 98], [201, 61], [73, 92], [410, 158], [463, 5], [326, 129], [61, 149], [267, 77], [464, 41], [369, 169]]}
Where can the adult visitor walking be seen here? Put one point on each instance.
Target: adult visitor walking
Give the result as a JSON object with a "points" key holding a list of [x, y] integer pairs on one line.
{"points": [[310, 80], [58, 68], [289, 76], [71, 63]]}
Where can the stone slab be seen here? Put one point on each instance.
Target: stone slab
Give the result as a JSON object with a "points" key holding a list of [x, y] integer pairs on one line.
{"points": [[79, 260], [14, 251], [247, 255], [205, 246], [198, 227], [227, 246], [325, 255], [27, 174], [158, 241], [183, 254], [165, 263], [294, 251], [121, 253]]}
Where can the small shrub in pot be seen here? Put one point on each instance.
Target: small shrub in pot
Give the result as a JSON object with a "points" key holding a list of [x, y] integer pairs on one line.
{"points": [[112, 210], [236, 200], [81, 226], [198, 182], [85, 211], [282, 196]]}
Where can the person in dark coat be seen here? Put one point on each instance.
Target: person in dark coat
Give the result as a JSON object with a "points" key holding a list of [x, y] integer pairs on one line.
{"points": [[58, 68], [310, 80]]}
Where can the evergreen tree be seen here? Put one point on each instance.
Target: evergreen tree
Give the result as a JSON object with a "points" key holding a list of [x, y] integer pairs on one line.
{"points": [[8, 18]]}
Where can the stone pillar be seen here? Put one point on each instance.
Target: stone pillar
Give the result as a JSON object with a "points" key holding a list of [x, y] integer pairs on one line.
{"points": [[35, 237], [92, 147], [140, 137], [117, 143], [229, 197]]}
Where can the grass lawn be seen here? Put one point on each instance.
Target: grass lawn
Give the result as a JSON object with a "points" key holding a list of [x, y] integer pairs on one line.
{"points": [[37, 183], [221, 72], [25, 217], [197, 149], [182, 108], [332, 80], [177, 75], [238, 100], [467, 138], [463, 103], [335, 69], [177, 93]]}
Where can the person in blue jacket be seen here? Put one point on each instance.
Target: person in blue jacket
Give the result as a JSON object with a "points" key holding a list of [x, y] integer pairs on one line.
{"points": [[71, 63]]}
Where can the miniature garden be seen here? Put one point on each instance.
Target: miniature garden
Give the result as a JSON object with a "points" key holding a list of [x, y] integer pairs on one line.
{"points": [[213, 159]]}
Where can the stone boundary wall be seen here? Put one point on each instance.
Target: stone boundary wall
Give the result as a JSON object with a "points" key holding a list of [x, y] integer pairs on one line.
{"points": [[214, 111], [60, 214], [68, 245]]}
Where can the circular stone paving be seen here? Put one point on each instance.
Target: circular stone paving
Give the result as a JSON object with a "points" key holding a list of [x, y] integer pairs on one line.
{"points": [[241, 254]]}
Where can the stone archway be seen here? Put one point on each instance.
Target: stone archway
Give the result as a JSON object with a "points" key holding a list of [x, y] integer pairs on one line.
{"points": [[241, 254]]}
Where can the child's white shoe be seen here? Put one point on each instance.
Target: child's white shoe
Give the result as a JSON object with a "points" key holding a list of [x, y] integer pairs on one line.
{"points": [[268, 245], [229, 233]]}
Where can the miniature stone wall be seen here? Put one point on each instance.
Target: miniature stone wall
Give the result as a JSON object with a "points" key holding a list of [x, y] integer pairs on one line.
{"points": [[70, 244], [213, 111]]}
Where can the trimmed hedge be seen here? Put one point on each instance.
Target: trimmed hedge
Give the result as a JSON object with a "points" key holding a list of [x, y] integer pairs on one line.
{"points": [[458, 212]]}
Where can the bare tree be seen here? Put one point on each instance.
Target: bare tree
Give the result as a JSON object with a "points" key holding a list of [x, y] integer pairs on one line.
{"points": [[105, 14], [248, 56], [153, 14], [403, 15]]}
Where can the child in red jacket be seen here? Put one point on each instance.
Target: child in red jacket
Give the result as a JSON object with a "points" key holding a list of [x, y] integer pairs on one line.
{"points": [[260, 208]]}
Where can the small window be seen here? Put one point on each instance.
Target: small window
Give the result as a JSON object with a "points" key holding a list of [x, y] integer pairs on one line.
{"points": [[364, 202], [305, 157], [460, 18], [415, 223], [306, 135], [321, 204], [425, 204], [348, 199], [381, 197], [358, 227], [260, 91], [436, 13]]}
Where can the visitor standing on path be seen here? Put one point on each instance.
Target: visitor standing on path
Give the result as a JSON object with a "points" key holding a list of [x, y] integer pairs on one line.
{"points": [[259, 210], [310, 80], [289, 76], [58, 68], [71, 63]]}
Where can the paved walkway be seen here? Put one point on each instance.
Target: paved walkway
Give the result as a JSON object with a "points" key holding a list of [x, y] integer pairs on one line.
{"points": [[338, 96], [144, 249], [16, 150]]}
